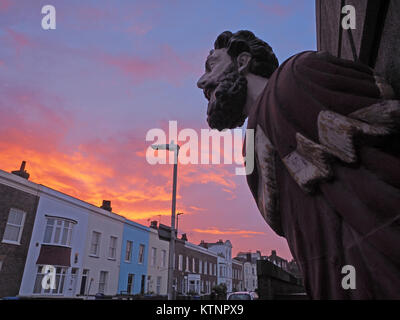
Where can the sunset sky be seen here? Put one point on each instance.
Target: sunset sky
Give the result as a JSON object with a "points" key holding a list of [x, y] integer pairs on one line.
{"points": [[76, 104]]}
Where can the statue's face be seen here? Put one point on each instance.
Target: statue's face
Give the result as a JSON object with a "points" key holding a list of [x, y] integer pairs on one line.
{"points": [[225, 89]]}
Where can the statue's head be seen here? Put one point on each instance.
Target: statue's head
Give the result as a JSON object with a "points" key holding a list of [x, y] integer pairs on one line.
{"points": [[224, 82]]}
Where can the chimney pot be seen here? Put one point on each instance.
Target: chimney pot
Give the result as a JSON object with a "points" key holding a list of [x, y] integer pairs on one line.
{"points": [[106, 205], [21, 172], [153, 224]]}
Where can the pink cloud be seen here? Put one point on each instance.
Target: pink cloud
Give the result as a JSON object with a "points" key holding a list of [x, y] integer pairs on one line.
{"points": [[17, 40], [5, 5], [274, 8], [166, 64]]}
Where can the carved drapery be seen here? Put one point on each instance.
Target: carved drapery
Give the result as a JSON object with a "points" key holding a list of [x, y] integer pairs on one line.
{"points": [[267, 201], [309, 163]]}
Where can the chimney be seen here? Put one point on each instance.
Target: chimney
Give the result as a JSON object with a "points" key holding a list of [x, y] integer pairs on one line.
{"points": [[184, 237], [21, 172], [273, 253], [106, 205], [153, 224]]}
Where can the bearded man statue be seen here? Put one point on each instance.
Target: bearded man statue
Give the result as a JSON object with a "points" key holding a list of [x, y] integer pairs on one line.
{"points": [[327, 159]]}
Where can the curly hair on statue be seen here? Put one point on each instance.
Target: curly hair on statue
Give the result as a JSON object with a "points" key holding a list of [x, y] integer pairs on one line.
{"points": [[264, 61]]}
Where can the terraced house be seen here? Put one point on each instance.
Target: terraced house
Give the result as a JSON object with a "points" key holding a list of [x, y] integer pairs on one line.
{"points": [[134, 258]]}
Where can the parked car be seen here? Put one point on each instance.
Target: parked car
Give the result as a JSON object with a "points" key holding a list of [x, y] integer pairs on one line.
{"points": [[242, 295]]}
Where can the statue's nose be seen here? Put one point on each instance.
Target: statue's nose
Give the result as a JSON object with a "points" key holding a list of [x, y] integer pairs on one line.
{"points": [[201, 83]]}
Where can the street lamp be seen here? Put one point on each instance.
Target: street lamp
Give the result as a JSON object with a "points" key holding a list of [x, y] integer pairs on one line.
{"points": [[175, 148], [177, 221]]}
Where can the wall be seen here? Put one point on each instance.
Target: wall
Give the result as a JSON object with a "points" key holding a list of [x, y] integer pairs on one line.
{"points": [[138, 234], [13, 256], [56, 204], [274, 282], [376, 41], [157, 270], [187, 249], [237, 275], [108, 224], [223, 249]]}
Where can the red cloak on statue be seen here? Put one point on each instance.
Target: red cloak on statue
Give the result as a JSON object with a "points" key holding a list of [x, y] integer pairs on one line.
{"points": [[327, 173]]}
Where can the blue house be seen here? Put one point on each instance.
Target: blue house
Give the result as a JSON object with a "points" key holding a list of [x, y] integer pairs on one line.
{"points": [[133, 269]]}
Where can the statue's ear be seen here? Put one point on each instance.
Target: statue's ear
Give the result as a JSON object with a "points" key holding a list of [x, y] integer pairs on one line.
{"points": [[243, 61]]}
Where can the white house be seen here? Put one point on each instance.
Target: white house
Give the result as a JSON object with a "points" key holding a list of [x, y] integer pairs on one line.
{"points": [[249, 269], [157, 266], [224, 253], [77, 243], [58, 241], [102, 258]]}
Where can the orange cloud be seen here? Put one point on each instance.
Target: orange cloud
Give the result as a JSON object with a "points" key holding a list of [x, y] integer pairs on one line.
{"points": [[215, 231], [110, 168]]}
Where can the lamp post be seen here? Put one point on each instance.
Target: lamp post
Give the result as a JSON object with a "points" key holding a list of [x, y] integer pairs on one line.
{"points": [[177, 221], [175, 148]]}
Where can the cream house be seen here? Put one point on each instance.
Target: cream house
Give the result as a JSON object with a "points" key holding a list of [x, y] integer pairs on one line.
{"points": [[157, 266]]}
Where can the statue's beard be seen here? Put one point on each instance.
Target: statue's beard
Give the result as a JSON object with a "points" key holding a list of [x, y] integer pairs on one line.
{"points": [[227, 110]]}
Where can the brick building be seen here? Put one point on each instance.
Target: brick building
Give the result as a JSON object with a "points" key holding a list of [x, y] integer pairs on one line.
{"points": [[195, 268], [18, 204], [237, 275]]}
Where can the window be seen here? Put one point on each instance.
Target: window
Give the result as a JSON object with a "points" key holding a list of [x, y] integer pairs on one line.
{"points": [[215, 269], [103, 281], [128, 251], [187, 264], [141, 253], [95, 246], [210, 269], [112, 254], [59, 281], [85, 275], [193, 266], [205, 267], [163, 258], [180, 262], [200, 266], [142, 284], [153, 256], [58, 231], [158, 288], [129, 287], [149, 284], [14, 226]]}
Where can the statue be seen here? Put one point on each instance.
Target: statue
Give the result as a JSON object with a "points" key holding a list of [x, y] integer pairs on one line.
{"points": [[327, 154]]}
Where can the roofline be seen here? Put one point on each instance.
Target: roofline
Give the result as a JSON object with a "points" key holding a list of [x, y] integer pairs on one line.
{"points": [[36, 189], [199, 249]]}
